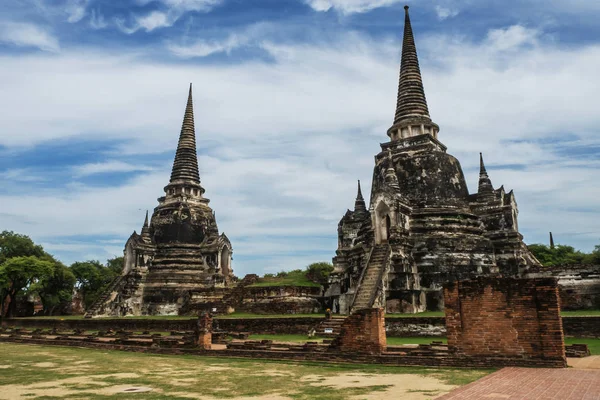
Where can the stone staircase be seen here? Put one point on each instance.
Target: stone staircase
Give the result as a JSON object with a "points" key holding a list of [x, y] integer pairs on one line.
{"points": [[370, 282], [112, 286], [330, 328]]}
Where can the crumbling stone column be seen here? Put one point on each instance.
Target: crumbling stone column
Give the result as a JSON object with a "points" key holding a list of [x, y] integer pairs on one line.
{"points": [[363, 332], [203, 334]]}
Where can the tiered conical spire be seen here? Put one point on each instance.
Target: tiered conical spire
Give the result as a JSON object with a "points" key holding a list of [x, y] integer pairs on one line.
{"points": [[485, 184], [411, 95], [146, 228], [359, 204], [185, 166]]}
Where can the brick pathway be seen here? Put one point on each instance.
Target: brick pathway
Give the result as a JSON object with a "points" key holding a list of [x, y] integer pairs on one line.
{"points": [[532, 384]]}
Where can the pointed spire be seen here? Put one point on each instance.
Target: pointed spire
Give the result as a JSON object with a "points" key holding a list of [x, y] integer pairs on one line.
{"points": [[359, 204], [359, 195], [146, 228], [411, 95], [485, 184], [551, 241], [185, 166]]}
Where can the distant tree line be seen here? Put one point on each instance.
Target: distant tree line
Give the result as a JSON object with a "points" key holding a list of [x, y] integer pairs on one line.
{"points": [[26, 269], [316, 272], [562, 255]]}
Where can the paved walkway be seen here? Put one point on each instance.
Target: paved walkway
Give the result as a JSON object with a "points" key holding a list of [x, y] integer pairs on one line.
{"points": [[592, 362], [532, 384]]}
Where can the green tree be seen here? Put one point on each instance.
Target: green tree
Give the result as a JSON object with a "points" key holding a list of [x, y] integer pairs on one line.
{"points": [[116, 264], [91, 278], [319, 272], [15, 245], [17, 274], [563, 255], [56, 290]]}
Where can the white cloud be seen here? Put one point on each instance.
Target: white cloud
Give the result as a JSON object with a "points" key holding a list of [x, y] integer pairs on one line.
{"points": [[28, 35], [155, 19], [109, 166], [512, 37], [97, 20], [175, 9], [282, 143], [192, 5], [349, 6], [445, 12], [203, 48], [75, 10]]}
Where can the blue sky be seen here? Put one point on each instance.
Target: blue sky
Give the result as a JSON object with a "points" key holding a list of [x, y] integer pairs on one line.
{"points": [[292, 98]]}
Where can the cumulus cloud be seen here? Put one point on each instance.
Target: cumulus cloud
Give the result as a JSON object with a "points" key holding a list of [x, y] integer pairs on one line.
{"points": [[23, 34]]}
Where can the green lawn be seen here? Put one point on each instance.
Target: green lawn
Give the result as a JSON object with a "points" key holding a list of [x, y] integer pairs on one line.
{"points": [[581, 313], [290, 280], [593, 344], [50, 372]]}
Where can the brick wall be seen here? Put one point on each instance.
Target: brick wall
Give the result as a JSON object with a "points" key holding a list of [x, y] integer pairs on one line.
{"points": [[203, 331], [395, 327], [363, 332], [504, 317]]}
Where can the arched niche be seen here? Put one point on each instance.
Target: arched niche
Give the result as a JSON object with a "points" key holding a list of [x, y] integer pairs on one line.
{"points": [[225, 261], [383, 222], [129, 258]]}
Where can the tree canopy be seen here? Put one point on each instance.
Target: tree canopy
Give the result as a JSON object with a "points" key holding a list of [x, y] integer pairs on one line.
{"points": [[319, 272], [563, 255], [91, 277], [18, 274]]}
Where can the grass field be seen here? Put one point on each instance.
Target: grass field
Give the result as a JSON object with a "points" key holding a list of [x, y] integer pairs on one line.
{"points": [[593, 344], [48, 372]]}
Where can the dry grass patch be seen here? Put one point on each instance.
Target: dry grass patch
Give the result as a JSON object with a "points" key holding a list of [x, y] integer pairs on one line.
{"points": [[58, 372]]}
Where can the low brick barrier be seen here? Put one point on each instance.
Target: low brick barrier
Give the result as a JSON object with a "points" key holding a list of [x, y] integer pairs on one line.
{"points": [[583, 327], [397, 359]]}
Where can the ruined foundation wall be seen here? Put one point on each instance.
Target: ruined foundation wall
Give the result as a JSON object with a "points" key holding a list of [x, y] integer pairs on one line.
{"points": [[505, 317], [363, 332]]}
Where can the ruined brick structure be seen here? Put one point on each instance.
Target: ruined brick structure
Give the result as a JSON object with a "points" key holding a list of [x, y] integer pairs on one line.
{"points": [[179, 261], [505, 317], [363, 332], [423, 227]]}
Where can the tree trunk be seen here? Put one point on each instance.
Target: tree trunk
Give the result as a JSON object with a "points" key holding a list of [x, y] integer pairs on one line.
{"points": [[12, 306]]}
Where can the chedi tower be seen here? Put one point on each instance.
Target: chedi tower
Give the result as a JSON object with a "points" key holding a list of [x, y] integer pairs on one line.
{"points": [[179, 263], [422, 227]]}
